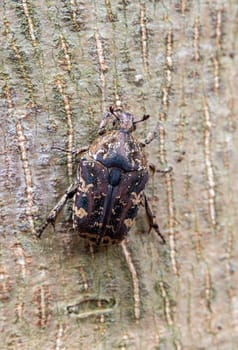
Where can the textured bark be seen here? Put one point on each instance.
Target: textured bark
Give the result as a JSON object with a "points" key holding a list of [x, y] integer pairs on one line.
{"points": [[62, 64]]}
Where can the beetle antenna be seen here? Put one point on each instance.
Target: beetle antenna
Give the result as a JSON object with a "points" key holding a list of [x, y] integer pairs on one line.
{"points": [[111, 109], [145, 117]]}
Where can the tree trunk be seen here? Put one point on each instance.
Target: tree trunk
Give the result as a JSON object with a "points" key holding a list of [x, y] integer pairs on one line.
{"points": [[63, 63]]}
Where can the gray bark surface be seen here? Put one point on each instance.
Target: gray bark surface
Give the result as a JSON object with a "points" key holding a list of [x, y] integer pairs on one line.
{"points": [[63, 63]]}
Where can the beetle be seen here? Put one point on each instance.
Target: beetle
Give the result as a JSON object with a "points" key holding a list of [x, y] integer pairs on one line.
{"points": [[111, 178]]}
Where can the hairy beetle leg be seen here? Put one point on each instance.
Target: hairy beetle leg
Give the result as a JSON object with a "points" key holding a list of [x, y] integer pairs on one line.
{"points": [[152, 223], [58, 207]]}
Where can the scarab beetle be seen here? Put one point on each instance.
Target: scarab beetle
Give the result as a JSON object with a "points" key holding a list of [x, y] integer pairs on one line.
{"points": [[111, 177]]}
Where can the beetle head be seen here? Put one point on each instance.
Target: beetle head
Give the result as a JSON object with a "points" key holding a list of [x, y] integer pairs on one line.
{"points": [[122, 120], [125, 120]]}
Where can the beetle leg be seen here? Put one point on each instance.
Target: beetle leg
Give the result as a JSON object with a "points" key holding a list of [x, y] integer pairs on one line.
{"points": [[80, 150], [152, 222], [58, 207], [152, 134], [103, 123], [150, 137], [153, 169], [74, 151]]}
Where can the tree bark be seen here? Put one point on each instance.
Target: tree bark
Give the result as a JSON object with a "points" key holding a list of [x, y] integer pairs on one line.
{"points": [[63, 63]]}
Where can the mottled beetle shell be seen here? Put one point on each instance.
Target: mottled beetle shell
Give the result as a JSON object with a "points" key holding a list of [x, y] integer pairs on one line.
{"points": [[112, 176]]}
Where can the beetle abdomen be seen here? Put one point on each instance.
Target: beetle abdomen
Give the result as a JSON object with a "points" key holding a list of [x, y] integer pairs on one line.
{"points": [[106, 201]]}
